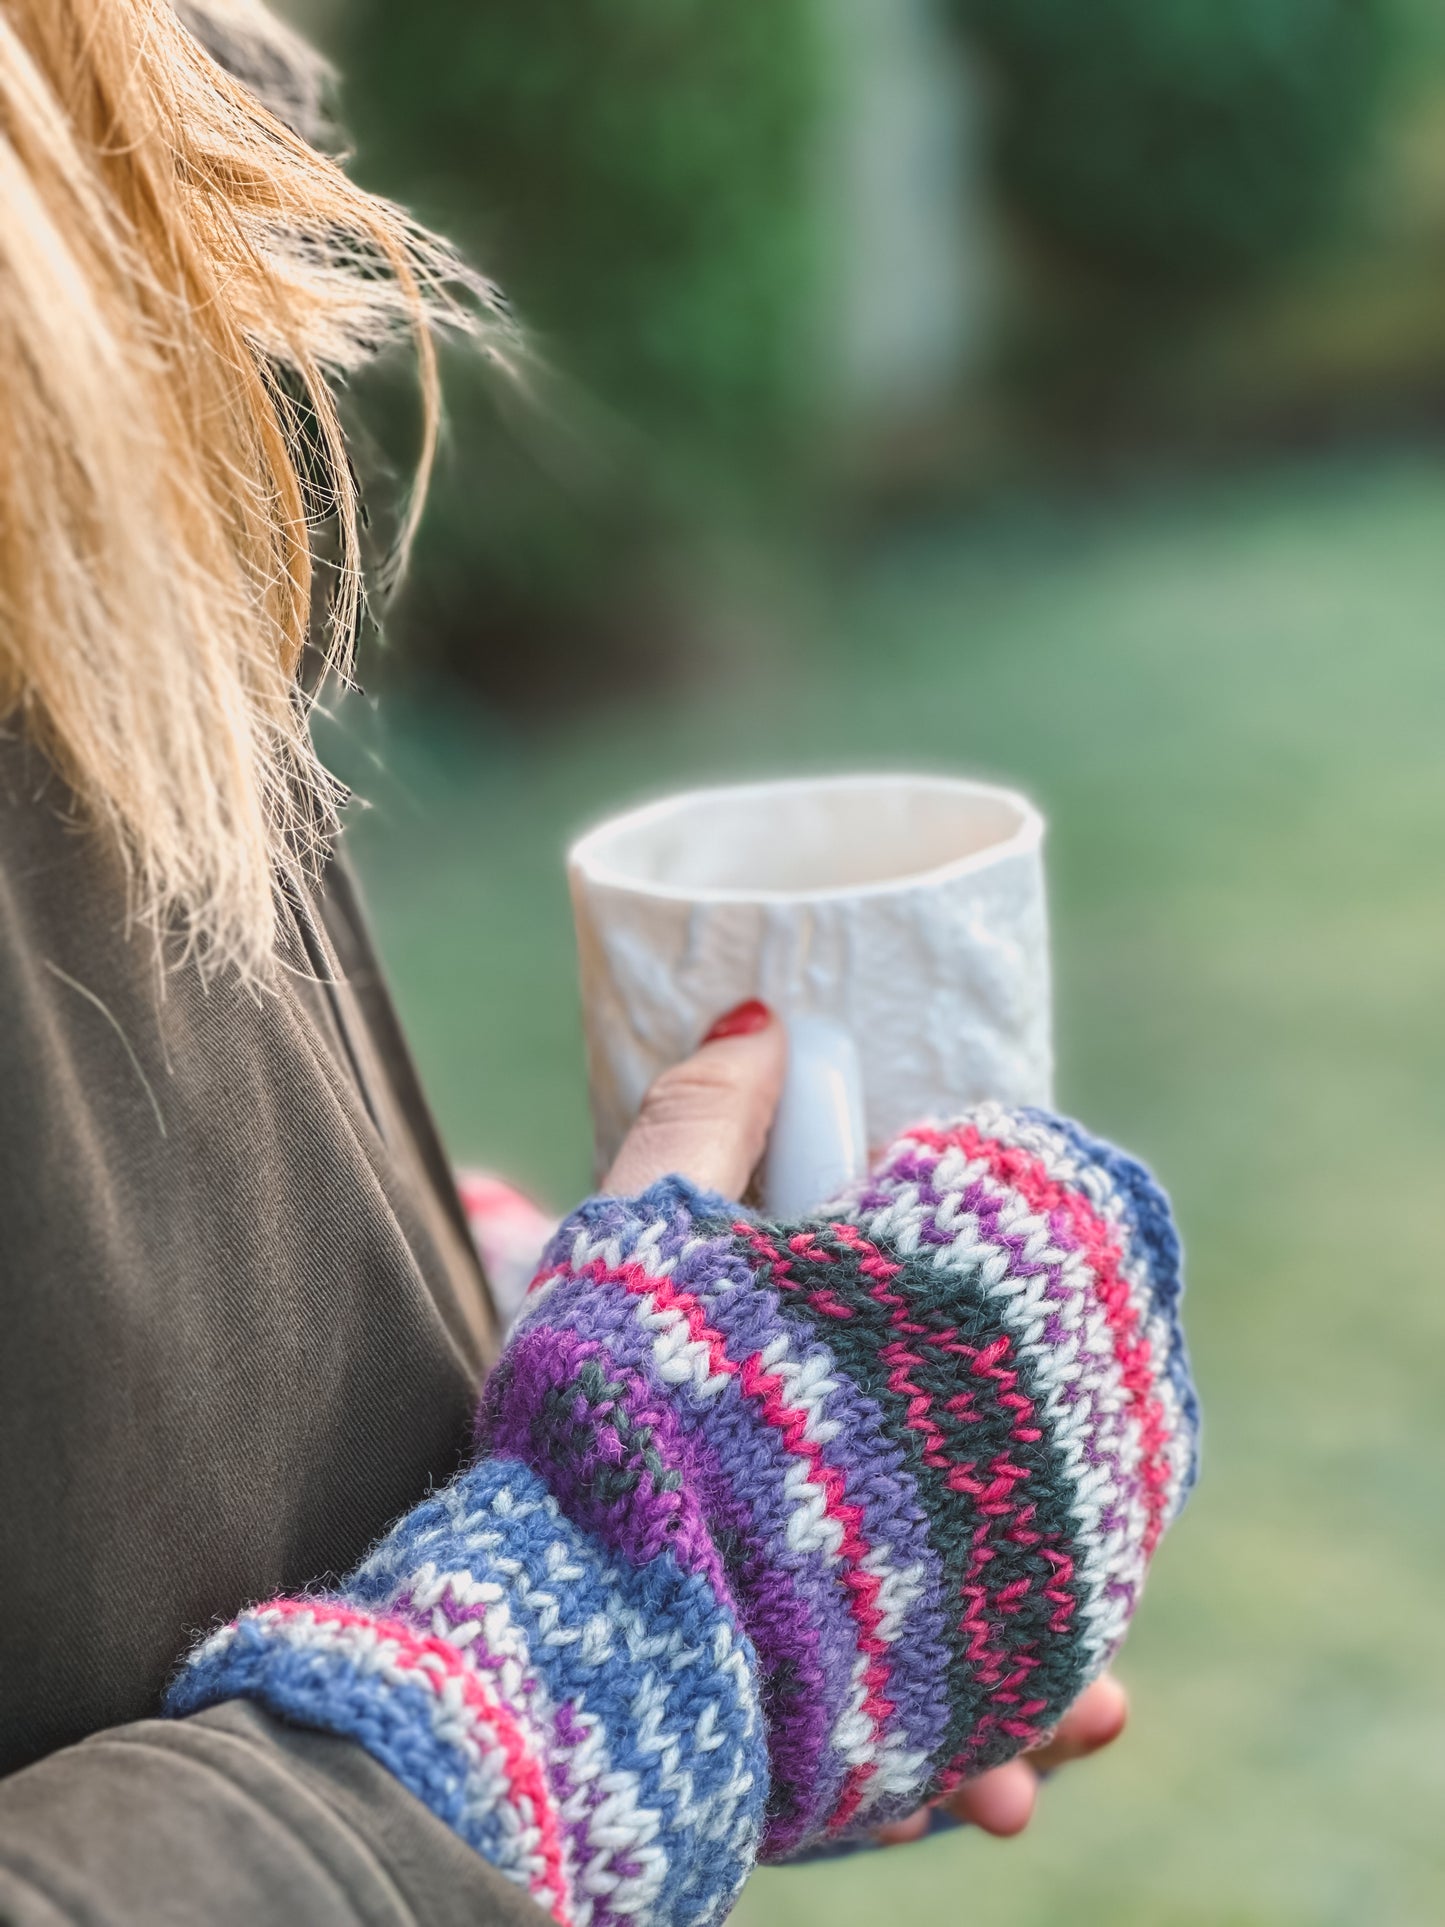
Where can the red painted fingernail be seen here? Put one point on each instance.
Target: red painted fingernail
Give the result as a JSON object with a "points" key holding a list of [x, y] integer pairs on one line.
{"points": [[741, 1021]]}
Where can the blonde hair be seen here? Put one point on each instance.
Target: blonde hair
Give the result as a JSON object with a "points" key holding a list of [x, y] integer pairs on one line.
{"points": [[182, 277]]}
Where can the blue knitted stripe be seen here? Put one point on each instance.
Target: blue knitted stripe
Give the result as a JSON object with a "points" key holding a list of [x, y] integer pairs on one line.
{"points": [[396, 1724], [647, 1651]]}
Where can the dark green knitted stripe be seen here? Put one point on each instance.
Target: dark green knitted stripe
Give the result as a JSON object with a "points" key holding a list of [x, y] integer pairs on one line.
{"points": [[1041, 1504], [571, 1417], [954, 1304]]}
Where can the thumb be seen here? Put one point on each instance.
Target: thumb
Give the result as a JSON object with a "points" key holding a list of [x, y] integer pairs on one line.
{"points": [[707, 1118]]}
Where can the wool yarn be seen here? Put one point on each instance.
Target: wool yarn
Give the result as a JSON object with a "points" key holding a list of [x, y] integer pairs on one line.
{"points": [[775, 1532]]}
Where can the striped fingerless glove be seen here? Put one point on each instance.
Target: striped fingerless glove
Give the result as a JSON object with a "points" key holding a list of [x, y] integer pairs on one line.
{"points": [[776, 1532]]}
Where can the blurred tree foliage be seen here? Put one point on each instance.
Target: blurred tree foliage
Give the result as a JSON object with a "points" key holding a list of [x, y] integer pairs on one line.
{"points": [[1181, 142], [636, 175]]}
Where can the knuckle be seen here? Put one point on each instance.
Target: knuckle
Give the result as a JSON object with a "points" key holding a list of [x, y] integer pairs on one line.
{"points": [[691, 1089]]}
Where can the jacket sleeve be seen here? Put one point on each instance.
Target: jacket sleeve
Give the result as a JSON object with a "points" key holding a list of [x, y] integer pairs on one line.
{"points": [[237, 1820], [775, 1531]]}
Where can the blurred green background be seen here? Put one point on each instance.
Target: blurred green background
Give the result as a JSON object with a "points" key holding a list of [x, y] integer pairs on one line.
{"points": [[1050, 392]]}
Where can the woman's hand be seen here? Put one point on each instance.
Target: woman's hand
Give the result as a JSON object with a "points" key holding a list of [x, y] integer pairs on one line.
{"points": [[707, 1119]]}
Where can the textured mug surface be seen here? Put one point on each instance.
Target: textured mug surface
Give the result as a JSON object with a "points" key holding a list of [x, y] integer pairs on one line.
{"points": [[908, 909]]}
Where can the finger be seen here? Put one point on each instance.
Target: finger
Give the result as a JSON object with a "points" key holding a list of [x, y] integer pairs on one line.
{"points": [[899, 1832], [708, 1117], [1096, 1719], [1001, 1801]]}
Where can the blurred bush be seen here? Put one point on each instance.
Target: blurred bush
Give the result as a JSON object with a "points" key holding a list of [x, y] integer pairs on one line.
{"points": [[1225, 227], [1192, 142], [637, 176]]}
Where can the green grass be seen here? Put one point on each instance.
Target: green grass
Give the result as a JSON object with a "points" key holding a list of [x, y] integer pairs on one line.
{"points": [[1232, 704]]}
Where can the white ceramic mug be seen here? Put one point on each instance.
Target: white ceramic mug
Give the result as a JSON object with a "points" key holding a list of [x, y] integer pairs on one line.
{"points": [[897, 923]]}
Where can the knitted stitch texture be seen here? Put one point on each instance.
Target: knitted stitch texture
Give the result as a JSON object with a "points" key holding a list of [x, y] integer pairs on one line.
{"points": [[776, 1532]]}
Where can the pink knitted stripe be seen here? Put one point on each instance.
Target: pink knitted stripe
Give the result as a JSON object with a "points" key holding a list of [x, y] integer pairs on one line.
{"points": [[1026, 1174], [822, 1302], [431, 1660]]}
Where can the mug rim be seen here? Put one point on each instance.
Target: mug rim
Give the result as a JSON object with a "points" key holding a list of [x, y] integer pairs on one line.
{"points": [[585, 861]]}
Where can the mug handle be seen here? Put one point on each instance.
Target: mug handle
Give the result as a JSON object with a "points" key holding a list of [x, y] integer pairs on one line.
{"points": [[818, 1143]]}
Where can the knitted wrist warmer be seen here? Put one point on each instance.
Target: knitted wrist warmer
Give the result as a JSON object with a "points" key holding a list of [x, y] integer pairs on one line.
{"points": [[778, 1532]]}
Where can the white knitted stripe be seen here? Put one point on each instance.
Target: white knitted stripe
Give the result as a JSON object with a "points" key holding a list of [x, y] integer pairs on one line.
{"points": [[489, 1795], [1181, 1450], [621, 1824], [606, 1821], [808, 1382], [897, 1766], [661, 1658], [679, 1358], [1063, 1162], [900, 1768], [853, 1735], [645, 1250], [587, 1249]]}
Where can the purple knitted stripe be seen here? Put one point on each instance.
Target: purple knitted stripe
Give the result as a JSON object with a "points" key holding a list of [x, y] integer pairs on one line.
{"points": [[589, 1461], [872, 1463], [880, 1483], [874, 1466], [790, 1604]]}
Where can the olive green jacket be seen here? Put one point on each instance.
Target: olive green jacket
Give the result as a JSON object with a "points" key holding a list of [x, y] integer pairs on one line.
{"points": [[243, 1329]]}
